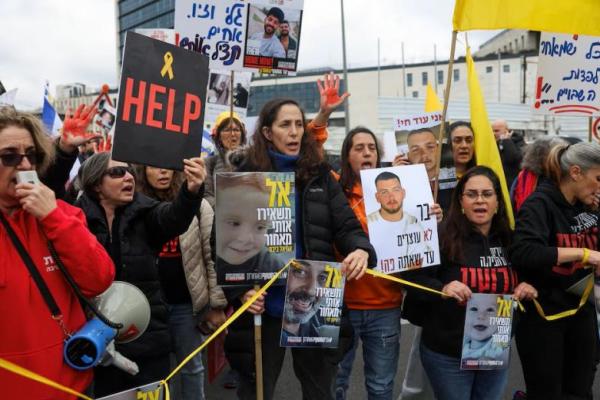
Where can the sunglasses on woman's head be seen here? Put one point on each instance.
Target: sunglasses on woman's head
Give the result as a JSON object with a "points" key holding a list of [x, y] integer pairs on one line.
{"points": [[14, 159], [119, 171]]}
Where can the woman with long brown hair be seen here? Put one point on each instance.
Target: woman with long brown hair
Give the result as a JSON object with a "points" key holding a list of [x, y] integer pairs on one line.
{"points": [[323, 219]]}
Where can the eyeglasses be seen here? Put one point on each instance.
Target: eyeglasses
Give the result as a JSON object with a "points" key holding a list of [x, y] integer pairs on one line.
{"points": [[14, 159], [474, 195], [231, 130], [118, 172]]}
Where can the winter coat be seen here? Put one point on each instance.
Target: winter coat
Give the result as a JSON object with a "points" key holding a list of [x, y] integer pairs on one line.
{"points": [[327, 220], [545, 222], [142, 227], [198, 264], [29, 337]]}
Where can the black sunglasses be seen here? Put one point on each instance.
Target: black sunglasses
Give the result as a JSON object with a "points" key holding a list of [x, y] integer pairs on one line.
{"points": [[14, 159], [119, 171]]}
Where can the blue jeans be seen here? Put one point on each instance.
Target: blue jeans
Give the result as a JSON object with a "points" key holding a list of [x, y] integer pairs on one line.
{"points": [[449, 382], [379, 331], [186, 336]]}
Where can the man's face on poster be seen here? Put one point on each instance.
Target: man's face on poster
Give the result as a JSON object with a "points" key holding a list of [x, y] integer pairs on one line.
{"points": [[390, 195], [302, 302], [271, 24], [285, 29]]}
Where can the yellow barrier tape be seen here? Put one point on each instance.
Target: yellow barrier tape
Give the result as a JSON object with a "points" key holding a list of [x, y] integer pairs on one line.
{"points": [[39, 378], [402, 281], [539, 308], [568, 313], [229, 321]]}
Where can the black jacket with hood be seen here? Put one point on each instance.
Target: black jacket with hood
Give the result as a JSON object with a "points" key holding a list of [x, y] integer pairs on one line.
{"points": [[327, 220], [485, 269], [545, 222], [141, 228]]}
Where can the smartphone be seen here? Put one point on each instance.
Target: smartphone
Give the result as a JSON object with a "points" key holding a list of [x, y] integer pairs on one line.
{"points": [[28, 177]]}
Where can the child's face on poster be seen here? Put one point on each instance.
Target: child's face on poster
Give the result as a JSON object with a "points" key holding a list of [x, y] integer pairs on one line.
{"points": [[240, 234], [479, 311]]}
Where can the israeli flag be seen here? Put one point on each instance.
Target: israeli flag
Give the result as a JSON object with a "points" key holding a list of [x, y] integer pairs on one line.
{"points": [[50, 117]]}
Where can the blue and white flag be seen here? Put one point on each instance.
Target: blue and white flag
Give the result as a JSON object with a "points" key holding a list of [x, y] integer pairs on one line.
{"points": [[50, 117]]}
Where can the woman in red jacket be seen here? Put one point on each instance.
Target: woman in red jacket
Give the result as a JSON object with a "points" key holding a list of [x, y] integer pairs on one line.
{"points": [[29, 336]]}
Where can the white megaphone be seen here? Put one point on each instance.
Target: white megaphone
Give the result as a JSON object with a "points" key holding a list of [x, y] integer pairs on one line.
{"points": [[122, 303]]}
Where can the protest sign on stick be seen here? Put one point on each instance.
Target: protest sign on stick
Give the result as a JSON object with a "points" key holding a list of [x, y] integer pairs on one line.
{"points": [[487, 333], [254, 226], [397, 203], [161, 103], [568, 75]]}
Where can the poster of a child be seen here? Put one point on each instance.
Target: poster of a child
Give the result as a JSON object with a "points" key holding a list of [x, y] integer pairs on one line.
{"points": [[486, 340], [250, 243]]}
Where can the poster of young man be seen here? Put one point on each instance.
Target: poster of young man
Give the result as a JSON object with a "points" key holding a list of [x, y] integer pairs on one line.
{"points": [[397, 202], [487, 334], [254, 226], [273, 35], [220, 92], [312, 312], [215, 28], [160, 112]]}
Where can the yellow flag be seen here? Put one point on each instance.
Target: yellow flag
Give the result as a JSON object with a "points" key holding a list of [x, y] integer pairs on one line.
{"points": [[561, 16], [486, 149], [432, 103]]}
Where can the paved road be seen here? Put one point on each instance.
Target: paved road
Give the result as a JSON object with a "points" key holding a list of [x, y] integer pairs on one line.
{"points": [[288, 387]]}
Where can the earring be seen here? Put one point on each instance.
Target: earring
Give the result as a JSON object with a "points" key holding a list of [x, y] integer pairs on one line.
{"points": [[496, 212], [462, 210]]}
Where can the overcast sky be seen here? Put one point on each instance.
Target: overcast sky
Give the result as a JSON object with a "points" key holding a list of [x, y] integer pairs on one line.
{"points": [[67, 41]]}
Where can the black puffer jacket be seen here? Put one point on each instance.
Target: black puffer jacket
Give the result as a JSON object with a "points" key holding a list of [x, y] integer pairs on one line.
{"points": [[142, 227], [327, 220]]}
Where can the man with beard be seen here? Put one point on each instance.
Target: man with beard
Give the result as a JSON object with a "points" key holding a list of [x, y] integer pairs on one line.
{"points": [[289, 44], [300, 312], [392, 221], [270, 46], [390, 195]]}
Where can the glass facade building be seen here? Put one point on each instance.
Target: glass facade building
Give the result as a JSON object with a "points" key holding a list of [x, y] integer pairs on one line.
{"points": [[132, 14]]}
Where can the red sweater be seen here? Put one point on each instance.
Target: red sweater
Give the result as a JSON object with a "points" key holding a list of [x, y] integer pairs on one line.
{"points": [[29, 336]]}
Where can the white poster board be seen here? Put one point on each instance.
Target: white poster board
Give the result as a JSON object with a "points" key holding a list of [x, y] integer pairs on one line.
{"points": [[568, 75], [215, 28], [394, 142], [218, 95], [397, 203]]}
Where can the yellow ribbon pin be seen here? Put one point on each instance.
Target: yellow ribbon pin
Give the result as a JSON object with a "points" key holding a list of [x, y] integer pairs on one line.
{"points": [[168, 67]]}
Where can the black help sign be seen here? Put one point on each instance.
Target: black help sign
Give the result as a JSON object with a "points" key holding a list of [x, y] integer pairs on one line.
{"points": [[161, 103]]}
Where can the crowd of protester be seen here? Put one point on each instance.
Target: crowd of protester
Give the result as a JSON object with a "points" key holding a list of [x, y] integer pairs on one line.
{"points": [[152, 227]]}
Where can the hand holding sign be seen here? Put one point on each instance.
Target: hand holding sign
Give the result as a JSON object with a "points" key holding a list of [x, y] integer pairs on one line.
{"points": [[355, 264], [74, 131], [329, 93], [195, 173], [458, 291]]}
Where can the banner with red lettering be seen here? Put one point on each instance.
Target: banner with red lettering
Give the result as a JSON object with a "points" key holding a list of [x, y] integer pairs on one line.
{"points": [[161, 103]]}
